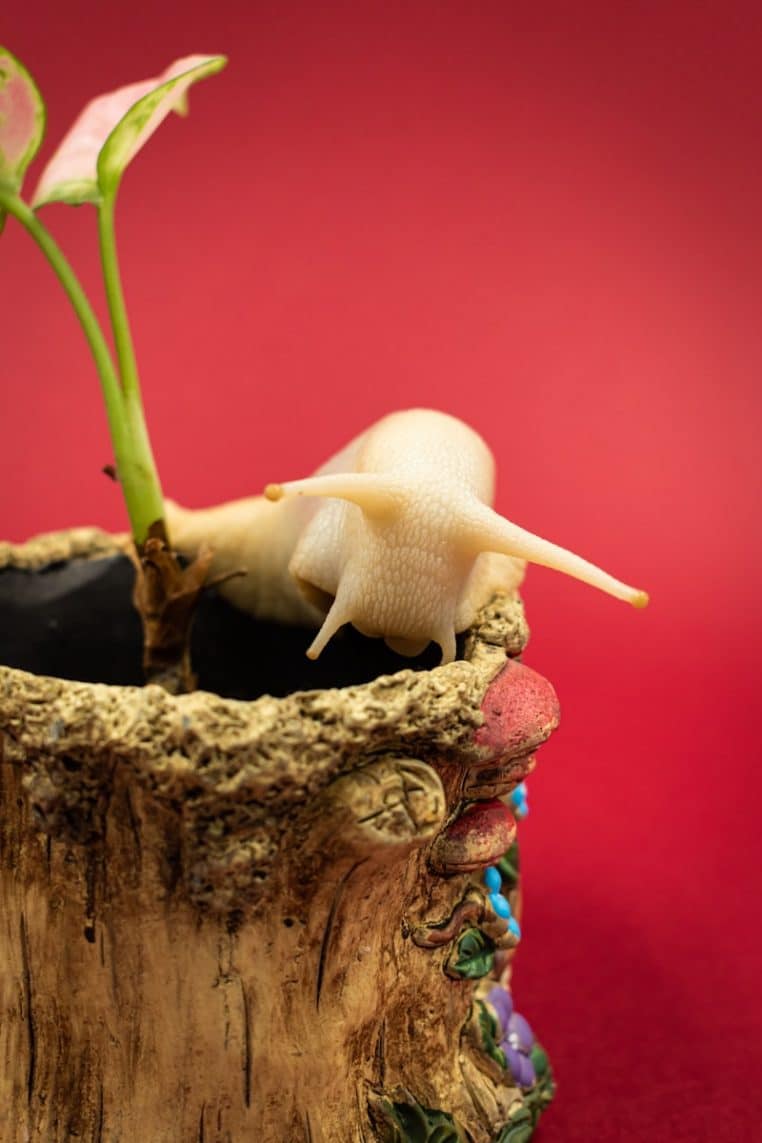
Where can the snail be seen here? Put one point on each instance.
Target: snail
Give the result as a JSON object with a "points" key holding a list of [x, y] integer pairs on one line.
{"points": [[395, 534]]}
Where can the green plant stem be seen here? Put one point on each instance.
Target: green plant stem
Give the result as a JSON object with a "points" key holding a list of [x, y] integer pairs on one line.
{"points": [[129, 437], [109, 379], [147, 504]]}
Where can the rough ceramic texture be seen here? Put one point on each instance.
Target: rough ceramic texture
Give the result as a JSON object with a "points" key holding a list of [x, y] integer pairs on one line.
{"points": [[56, 547], [403, 544], [245, 764], [221, 920]]}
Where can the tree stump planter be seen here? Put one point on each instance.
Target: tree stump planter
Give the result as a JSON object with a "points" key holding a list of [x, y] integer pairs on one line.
{"points": [[255, 918]]}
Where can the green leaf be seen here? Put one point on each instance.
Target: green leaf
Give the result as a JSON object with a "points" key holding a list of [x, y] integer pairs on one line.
{"points": [[412, 1123], [22, 122], [488, 1031], [474, 956], [93, 156], [539, 1058], [519, 1128], [539, 1096]]}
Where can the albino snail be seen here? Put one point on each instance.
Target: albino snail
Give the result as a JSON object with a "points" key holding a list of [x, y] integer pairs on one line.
{"points": [[402, 544]]}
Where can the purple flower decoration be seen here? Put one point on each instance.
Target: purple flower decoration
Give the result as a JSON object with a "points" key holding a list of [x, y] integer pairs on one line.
{"points": [[501, 1001], [519, 1029], [519, 1065], [514, 1036]]}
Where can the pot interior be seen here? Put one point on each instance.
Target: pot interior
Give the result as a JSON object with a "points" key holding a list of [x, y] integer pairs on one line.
{"points": [[75, 620]]}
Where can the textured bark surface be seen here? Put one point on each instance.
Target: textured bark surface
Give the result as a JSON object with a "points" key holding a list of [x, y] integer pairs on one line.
{"points": [[220, 920]]}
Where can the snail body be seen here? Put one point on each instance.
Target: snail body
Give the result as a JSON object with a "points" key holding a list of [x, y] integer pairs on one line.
{"points": [[395, 535]]}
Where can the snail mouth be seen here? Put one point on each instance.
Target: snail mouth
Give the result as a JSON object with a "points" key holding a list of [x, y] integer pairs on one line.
{"points": [[407, 647], [314, 595]]}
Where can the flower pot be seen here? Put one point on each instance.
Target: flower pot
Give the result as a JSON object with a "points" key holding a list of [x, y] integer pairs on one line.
{"points": [[233, 916]]}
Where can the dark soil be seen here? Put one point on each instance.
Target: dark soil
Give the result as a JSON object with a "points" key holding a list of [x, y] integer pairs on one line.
{"points": [[75, 620]]}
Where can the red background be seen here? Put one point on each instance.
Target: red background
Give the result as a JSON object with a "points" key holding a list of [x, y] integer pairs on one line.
{"points": [[543, 219]]}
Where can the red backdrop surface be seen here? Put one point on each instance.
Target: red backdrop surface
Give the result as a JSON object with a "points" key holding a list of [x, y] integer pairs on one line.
{"points": [[545, 220]]}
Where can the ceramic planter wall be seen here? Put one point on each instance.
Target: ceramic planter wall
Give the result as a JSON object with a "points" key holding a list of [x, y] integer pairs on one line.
{"points": [[265, 919]]}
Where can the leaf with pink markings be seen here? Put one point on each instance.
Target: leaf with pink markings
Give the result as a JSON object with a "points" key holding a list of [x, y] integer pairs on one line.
{"points": [[22, 123], [89, 163]]}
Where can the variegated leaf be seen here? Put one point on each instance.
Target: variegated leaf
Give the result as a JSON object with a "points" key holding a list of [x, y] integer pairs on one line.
{"points": [[93, 156], [22, 122]]}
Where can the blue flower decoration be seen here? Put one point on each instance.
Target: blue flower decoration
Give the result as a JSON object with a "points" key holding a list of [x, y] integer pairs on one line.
{"points": [[500, 904], [519, 801]]}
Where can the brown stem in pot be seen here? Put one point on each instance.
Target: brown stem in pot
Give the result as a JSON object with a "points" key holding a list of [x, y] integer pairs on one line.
{"points": [[166, 596]]}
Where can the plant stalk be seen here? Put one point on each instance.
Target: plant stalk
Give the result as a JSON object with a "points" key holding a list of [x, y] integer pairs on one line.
{"points": [[147, 508], [166, 594], [104, 364]]}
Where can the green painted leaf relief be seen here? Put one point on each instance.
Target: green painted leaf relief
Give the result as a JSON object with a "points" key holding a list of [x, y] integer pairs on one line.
{"points": [[523, 1121], [509, 868], [473, 957], [488, 1034], [93, 156], [22, 123], [410, 1122], [539, 1058], [519, 1128], [541, 1094]]}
